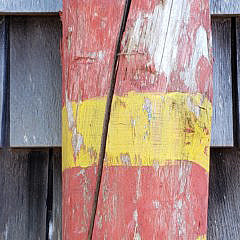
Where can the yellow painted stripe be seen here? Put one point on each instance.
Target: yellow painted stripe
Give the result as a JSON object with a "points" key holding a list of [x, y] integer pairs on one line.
{"points": [[204, 237], [145, 129]]}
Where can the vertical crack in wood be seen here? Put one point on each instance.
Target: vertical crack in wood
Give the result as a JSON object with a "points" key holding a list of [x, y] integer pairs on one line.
{"points": [[107, 116], [235, 94]]}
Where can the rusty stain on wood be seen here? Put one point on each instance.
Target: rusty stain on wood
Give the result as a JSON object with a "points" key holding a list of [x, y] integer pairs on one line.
{"points": [[155, 174]]}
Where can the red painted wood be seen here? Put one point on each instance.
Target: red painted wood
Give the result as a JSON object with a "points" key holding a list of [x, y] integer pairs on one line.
{"points": [[184, 65], [90, 31], [160, 207], [166, 49], [137, 70]]}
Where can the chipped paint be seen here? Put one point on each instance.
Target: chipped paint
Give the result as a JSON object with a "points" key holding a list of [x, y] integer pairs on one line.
{"points": [[155, 176], [154, 206], [184, 137]]}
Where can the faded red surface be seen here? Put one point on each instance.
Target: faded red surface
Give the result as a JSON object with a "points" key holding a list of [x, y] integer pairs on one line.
{"points": [[166, 203], [136, 74], [157, 203], [90, 28]]}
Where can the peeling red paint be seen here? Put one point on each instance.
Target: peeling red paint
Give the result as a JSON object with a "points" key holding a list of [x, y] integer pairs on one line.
{"points": [[154, 202], [159, 205], [90, 30], [90, 35]]}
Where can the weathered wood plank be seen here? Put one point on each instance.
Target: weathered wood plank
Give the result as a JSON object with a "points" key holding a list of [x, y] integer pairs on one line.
{"points": [[55, 226], [89, 57], [155, 173], [222, 118], [3, 72], [30, 6], [23, 181], [224, 195], [35, 88], [160, 121], [218, 7], [222, 7], [237, 99]]}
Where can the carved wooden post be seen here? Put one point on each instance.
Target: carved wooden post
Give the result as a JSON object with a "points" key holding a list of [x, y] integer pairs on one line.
{"points": [[137, 102]]}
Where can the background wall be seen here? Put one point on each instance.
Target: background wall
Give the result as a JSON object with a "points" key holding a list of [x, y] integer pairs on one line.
{"points": [[30, 127]]}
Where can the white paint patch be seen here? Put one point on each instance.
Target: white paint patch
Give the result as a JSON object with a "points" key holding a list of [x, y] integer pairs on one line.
{"points": [[137, 235], [138, 190], [158, 33], [135, 215], [133, 122], [156, 165], [193, 108], [77, 138], [200, 51], [70, 30], [101, 55], [147, 106], [77, 141], [71, 120], [156, 204], [125, 158], [81, 172], [196, 109], [100, 222]]}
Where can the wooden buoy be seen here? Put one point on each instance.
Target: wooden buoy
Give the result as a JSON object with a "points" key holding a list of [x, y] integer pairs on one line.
{"points": [[137, 103]]}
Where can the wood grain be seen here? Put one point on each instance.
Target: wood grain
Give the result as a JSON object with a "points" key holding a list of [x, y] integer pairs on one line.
{"points": [[55, 228], [222, 118], [155, 111], [218, 7], [35, 89], [224, 195], [90, 57], [23, 181], [155, 175], [3, 73], [225, 7], [237, 76], [30, 6]]}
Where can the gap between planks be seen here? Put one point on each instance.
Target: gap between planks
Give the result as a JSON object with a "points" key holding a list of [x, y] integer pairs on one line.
{"points": [[107, 115]]}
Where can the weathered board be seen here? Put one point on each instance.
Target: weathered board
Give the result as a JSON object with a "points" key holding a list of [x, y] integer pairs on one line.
{"points": [[154, 182], [222, 118], [23, 181], [45, 71], [237, 67], [35, 81], [89, 57], [46, 75], [223, 7], [30, 6], [55, 227], [3, 72], [218, 7], [224, 195]]}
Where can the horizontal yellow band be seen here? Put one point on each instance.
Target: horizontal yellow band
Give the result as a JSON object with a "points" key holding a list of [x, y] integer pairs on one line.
{"points": [[146, 129], [204, 237]]}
